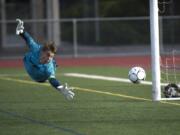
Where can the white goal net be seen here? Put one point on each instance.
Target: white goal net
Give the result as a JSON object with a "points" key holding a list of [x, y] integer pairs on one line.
{"points": [[170, 74], [170, 67]]}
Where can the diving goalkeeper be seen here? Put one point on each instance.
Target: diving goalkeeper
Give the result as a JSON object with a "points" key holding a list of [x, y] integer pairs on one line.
{"points": [[39, 62]]}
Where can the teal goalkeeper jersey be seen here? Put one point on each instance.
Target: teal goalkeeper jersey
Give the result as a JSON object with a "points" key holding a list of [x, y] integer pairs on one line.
{"points": [[37, 71]]}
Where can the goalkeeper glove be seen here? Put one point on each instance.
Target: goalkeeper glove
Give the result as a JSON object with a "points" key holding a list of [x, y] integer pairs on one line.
{"points": [[66, 91], [20, 27]]}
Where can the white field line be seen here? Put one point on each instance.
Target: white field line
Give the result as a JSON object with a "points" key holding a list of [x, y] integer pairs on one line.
{"points": [[88, 76], [106, 78]]}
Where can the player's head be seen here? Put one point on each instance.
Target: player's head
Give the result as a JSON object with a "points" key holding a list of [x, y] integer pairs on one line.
{"points": [[47, 53]]}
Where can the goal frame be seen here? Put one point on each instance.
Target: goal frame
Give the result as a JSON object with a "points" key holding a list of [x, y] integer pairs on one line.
{"points": [[155, 52]]}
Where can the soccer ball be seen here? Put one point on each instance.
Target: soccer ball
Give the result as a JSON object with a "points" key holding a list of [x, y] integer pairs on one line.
{"points": [[137, 74]]}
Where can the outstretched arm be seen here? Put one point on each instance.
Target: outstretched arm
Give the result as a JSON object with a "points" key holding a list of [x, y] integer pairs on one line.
{"points": [[26, 36], [64, 89], [54, 82]]}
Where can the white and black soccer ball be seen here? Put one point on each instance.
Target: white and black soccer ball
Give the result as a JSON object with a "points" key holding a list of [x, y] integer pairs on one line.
{"points": [[137, 74]]}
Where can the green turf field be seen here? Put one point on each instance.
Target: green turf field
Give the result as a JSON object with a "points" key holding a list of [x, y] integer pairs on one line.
{"points": [[99, 108]]}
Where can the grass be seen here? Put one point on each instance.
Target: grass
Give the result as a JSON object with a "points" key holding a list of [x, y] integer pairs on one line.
{"points": [[27, 109]]}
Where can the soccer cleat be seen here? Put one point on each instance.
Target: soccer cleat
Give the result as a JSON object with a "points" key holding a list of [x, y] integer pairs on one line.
{"points": [[66, 91]]}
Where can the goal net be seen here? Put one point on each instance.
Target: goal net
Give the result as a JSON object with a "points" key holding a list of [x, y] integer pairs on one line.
{"points": [[170, 75]]}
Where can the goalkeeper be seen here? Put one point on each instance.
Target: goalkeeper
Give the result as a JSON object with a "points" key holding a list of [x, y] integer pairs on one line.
{"points": [[39, 62]]}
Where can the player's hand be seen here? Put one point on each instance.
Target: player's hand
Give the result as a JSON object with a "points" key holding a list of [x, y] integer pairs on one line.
{"points": [[66, 91], [20, 27]]}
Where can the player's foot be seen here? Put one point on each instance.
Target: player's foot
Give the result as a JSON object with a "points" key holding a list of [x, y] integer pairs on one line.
{"points": [[66, 91]]}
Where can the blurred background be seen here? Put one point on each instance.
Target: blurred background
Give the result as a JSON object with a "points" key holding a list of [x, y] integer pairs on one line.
{"points": [[88, 27]]}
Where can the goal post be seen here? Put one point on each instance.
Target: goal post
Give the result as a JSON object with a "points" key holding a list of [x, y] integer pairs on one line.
{"points": [[155, 51], [163, 64]]}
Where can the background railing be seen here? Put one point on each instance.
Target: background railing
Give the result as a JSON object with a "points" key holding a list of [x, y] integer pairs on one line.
{"points": [[92, 36]]}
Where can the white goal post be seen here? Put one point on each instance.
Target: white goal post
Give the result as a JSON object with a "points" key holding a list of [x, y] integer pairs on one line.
{"points": [[155, 51]]}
